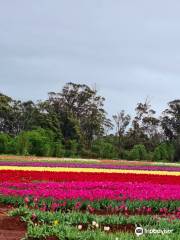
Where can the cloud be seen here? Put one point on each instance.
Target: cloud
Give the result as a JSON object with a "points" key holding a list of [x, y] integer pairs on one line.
{"points": [[130, 49]]}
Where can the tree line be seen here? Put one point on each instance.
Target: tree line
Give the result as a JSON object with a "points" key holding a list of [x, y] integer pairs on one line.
{"points": [[74, 123]]}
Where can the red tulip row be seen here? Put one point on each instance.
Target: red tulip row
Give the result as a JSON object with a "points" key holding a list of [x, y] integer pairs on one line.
{"points": [[29, 176]]}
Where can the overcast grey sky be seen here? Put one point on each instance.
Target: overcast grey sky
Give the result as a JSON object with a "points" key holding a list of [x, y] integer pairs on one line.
{"points": [[129, 48]]}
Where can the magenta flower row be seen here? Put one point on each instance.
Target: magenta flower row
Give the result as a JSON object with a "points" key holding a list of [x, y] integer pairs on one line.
{"points": [[92, 190]]}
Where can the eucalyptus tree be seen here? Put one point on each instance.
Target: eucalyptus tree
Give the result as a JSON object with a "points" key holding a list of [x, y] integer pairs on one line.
{"points": [[122, 120], [80, 111]]}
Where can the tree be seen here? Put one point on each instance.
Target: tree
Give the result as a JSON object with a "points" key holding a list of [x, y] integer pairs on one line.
{"points": [[5, 114], [10, 115], [171, 120], [121, 120], [145, 126], [80, 112], [171, 125]]}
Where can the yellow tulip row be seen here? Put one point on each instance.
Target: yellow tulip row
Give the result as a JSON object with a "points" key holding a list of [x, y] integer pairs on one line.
{"points": [[90, 170]]}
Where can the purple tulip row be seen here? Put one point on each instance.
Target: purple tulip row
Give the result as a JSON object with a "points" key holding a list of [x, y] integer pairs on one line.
{"points": [[87, 165]]}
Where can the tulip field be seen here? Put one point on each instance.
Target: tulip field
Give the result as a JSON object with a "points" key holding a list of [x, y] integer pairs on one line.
{"points": [[95, 199]]}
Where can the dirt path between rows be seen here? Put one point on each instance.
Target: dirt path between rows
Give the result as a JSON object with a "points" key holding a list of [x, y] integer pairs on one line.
{"points": [[11, 228]]}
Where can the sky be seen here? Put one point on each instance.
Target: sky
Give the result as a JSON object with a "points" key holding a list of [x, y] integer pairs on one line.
{"points": [[128, 49]]}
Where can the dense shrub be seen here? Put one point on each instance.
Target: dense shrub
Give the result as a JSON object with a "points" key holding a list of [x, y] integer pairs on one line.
{"points": [[71, 148], [40, 142], [163, 152], [36, 142], [58, 149], [4, 140], [104, 149], [12, 146], [149, 156], [126, 154], [7, 144], [176, 157], [22, 144], [157, 154], [138, 152], [134, 154], [85, 153]]}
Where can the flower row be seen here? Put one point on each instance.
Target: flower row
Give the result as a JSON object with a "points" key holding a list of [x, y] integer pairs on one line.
{"points": [[88, 170], [29, 176], [89, 165], [93, 190]]}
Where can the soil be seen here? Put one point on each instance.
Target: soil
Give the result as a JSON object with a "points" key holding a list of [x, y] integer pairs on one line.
{"points": [[11, 228], [113, 227]]}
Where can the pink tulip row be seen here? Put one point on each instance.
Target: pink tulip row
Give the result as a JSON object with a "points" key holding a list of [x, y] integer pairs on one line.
{"points": [[93, 190]]}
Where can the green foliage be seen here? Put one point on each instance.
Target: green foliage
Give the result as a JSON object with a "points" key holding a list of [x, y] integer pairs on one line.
{"points": [[22, 144], [7, 144], [104, 149], [58, 149], [11, 146], [103, 204], [157, 154], [86, 153], [73, 122], [4, 139], [138, 152], [149, 156], [67, 222], [80, 112], [171, 119], [176, 157], [40, 142], [71, 148], [134, 154], [37, 142], [125, 155], [163, 152]]}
